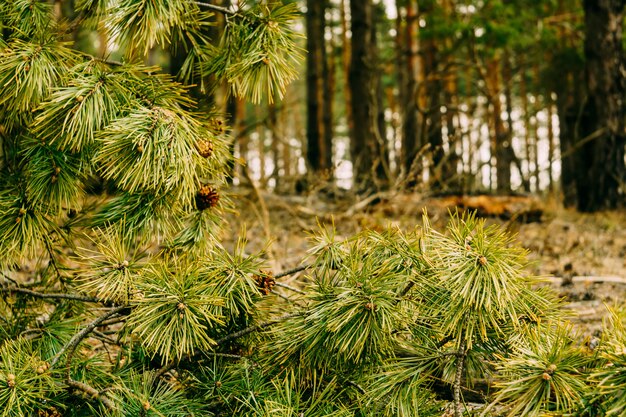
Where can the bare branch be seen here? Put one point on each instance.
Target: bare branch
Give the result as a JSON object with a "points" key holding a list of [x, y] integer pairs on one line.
{"points": [[215, 8], [53, 261], [64, 296], [232, 336], [292, 271], [92, 392], [289, 287], [252, 329], [71, 346]]}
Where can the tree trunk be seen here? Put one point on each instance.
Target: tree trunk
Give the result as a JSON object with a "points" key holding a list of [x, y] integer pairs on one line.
{"points": [[600, 159], [380, 126], [407, 69], [328, 84], [507, 75], [434, 134], [568, 108], [362, 138], [346, 53], [500, 142], [316, 145]]}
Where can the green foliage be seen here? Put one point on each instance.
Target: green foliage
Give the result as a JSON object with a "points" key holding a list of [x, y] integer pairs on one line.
{"points": [[174, 310], [258, 54], [25, 380], [106, 272], [117, 298], [482, 277], [543, 373], [232, 280], [610, 376], [144, 395]]}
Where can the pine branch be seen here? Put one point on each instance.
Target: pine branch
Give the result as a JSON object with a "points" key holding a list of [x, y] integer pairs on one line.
{"points": [[215, 8], [71, 346], [52, 258], [252, 329], [289, 287], [114, 320], [357, 386], [8, 278], [63, 296], [406, 289], [293, 271], [107, 339], [232, 336], [92, 392], [458, 406]]}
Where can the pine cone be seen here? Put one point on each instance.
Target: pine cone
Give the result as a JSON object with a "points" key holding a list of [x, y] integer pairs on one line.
{"points": [[207, 197], [205, 148], [265, 281]]}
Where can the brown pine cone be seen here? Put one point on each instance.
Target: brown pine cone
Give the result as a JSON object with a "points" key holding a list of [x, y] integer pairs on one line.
{"points": [[207, 197], [205, 148]]}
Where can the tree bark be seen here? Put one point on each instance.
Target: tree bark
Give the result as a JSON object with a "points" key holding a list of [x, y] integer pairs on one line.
{"points": [[381, 169], [601, 169], [434, 134], [407, 68], [501, 145], [316, 57], [362, 137]]}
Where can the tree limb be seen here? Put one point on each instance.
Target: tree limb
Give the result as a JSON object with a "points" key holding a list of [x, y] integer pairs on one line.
{"points": [[252, 329], [289, 287], [63, 296], [293, 271], [78, 337], [233, 336], [91, 391], [215, 8]]}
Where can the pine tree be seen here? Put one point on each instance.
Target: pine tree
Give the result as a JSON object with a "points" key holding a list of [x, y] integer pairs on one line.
{"points": [[111, 195]]}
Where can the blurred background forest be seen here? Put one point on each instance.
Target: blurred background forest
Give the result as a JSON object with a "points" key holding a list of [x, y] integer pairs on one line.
{"points": [[439, 96]]}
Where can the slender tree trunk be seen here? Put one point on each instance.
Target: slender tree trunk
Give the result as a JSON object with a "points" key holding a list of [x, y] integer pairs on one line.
{"points": [[507, 75], [363, 144], [316, 145], [261, 131], [526, 119], [285, 123], [537, 107], [407, 64], [450, 168], [501, 144], [568, 104], [275, 139], [380, 126], [549, 106], [568, 92], [470, 149], [434, 133], [346, 53], [601, 156], [328, 83]]}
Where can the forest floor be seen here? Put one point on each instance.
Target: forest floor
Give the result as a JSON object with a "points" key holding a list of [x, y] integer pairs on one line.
{"points": [[583, 256]]}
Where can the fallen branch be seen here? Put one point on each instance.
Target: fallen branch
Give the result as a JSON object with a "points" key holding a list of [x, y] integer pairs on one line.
{"points": [[613, 279]]}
